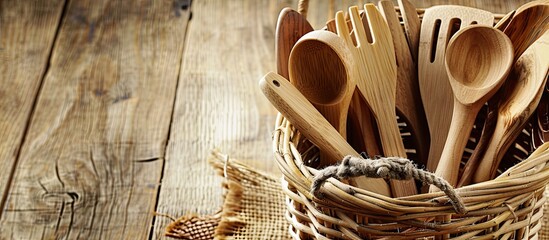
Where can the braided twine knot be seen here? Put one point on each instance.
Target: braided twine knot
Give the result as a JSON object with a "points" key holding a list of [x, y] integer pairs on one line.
{"points": [[387, 168]]}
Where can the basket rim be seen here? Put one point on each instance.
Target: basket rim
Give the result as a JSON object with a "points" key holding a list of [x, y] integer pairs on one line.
{"points": [[530, 175]]}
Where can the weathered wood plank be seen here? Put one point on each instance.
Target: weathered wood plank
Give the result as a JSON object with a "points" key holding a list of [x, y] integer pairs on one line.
{"points": [[27, 32], [230, 46], [92, 160]]}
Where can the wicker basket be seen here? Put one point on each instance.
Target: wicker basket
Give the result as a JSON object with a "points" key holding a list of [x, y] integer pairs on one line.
{"points": [[508, 207]]}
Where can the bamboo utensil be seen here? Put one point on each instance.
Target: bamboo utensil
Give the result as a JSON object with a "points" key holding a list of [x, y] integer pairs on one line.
{"points": [[438, 26], [478, 59], [523, 26], [518, 101], [529, 23], [376, 67], [408, 99], [320, 67], [504, 22], [360, 122], [540, 123], [291, 26], [302, 114], [412, 25]]}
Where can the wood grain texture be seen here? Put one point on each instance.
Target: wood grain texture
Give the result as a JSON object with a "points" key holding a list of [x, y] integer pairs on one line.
{"points": [[290, 27], [408, 99], [92, 160], [376, 79], [437, 28], [27, 32], [219, 103], [412, 26], [472, 87], [102, 46], [520, 97], [321, 69]]}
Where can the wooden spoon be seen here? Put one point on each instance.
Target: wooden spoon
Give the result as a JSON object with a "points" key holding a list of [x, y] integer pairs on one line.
{"points": [[321, 69], [303, 115], [439, 24], [540, 123], [408, 99], [291, 26], [523, 26], [518, 102], [478, 59], [376, 68], [529, 23]]}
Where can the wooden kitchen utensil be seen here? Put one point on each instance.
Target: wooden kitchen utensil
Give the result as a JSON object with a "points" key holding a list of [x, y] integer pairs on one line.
{"points": [[376, 68], [529, 23], [517, 103], [302, 114], [438, 26], [540, 123], [291, 26], [412, 25], [478, 59], [502, 23], [321, 68], [535, 15], [361, 122], [408, 99]]}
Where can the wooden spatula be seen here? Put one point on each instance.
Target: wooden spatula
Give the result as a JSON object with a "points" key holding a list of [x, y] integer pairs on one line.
{"points": [[438, 26], [291, 26], [376, 67], [304, 116], [408, 99]]}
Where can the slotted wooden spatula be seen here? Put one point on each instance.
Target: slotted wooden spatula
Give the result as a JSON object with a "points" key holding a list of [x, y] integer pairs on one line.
{"points": [[438, 26]]}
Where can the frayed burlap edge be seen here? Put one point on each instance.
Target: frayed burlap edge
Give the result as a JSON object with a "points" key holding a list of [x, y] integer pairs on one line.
{"points": [[231, 222]]}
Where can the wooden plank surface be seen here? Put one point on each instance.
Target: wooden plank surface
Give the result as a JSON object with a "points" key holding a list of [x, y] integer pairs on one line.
{"points": [[27, 32], [93, 156], [230, 46]]}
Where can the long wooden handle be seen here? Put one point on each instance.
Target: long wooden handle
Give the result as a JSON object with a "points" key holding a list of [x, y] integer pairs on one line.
{"points": [[497, 147], [304, 116], [463, 120]]}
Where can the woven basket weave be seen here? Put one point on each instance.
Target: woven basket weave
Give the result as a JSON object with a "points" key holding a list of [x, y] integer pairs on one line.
{"points": [[508, 207]]}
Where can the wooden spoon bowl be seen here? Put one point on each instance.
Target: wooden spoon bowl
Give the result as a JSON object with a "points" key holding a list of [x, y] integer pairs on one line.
{"points": [[478, 59], [319, 67]]}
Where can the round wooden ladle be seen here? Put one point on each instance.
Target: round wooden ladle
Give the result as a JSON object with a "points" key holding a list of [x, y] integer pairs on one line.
{"points": [[320, 67], [478, 59]]}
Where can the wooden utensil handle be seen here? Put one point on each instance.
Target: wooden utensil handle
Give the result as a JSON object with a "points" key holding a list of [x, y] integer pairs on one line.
{"points": [[463, 120], [494, 152], [393, 146], [303, 115]]}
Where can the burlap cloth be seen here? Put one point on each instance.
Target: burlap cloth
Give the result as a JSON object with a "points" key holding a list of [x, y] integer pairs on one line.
{"points": [[254, 207]]}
